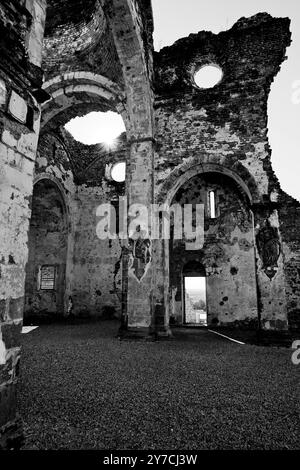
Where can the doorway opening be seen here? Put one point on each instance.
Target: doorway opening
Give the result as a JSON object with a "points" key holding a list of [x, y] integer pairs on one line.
{"points": [[195, 305]]}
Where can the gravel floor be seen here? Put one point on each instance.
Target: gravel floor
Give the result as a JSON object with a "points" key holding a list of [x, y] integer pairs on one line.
{"points": [[81, 388]]}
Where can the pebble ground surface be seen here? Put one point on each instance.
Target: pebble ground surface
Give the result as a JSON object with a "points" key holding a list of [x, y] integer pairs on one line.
{"points": [[82, 388]]}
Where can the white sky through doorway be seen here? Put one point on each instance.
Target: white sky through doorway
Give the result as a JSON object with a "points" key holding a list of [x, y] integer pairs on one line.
{"points": [[195, 283]]}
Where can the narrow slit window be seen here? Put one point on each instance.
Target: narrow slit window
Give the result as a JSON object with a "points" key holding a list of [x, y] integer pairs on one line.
{"points": [[212, 204]]}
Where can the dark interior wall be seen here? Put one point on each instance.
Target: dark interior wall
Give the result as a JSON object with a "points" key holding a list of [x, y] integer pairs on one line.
{"points": [[47, 246], [289, 217], [228, 253]]}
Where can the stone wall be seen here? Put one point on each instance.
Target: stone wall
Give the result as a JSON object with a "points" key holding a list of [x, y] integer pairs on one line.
{"points": [[96, 287], [289, 219], [224, 129], [225, 124], [21, 31]]}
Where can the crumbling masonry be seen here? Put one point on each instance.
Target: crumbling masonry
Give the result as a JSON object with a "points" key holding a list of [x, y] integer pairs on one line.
{"points": [[181, 142]]}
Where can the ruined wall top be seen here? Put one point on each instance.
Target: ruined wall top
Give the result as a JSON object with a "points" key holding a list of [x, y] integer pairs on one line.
{"points": [[252, 50]]}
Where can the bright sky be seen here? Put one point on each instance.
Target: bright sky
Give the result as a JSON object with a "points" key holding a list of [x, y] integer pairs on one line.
{"points": [[118, 172], [195, 283], [174, 19], [96, 127], [208, 76]]}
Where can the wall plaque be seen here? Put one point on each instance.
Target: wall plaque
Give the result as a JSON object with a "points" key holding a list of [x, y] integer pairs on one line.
{"points": [[47, 277]]}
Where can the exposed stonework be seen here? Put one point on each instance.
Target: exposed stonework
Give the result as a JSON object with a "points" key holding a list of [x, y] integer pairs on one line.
{"points": [[224, 130], [289, 225], [80, 41], [181, 142], [21, 33], [228, 254]]}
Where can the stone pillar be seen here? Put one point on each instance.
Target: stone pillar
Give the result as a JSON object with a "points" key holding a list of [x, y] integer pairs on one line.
{"points": [[148, 267], [20, 82], [140, 198], [272, 305], [133, 41]]}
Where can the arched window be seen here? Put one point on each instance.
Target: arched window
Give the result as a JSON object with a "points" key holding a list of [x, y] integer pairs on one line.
{"points": [[212, 205]]}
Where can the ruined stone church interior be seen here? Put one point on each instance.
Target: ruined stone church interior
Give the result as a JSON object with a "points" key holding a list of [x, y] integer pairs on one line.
{"points": [[192, 129]]}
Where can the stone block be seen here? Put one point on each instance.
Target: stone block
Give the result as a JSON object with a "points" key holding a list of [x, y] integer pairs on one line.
{"points": [[18, 107]]}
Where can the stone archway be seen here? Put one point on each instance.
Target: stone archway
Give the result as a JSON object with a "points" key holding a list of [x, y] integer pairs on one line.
{"points": [[228, 254], [76, 93], [215, 164], [45, 284]]}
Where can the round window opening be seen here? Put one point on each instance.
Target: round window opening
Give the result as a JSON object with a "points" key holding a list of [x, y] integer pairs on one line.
{"points": [[208, 76], [118, 172]]}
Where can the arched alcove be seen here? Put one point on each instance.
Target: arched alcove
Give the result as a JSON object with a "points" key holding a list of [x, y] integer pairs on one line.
{"points": [[47, 257], [225, 261]]}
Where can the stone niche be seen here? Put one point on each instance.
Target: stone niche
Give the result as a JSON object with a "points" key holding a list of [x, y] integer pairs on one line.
{"points": [[228, 255], [46, 266]]}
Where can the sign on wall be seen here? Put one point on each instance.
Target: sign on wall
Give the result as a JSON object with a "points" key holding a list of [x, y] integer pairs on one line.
{"points": [[47, 277]]}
